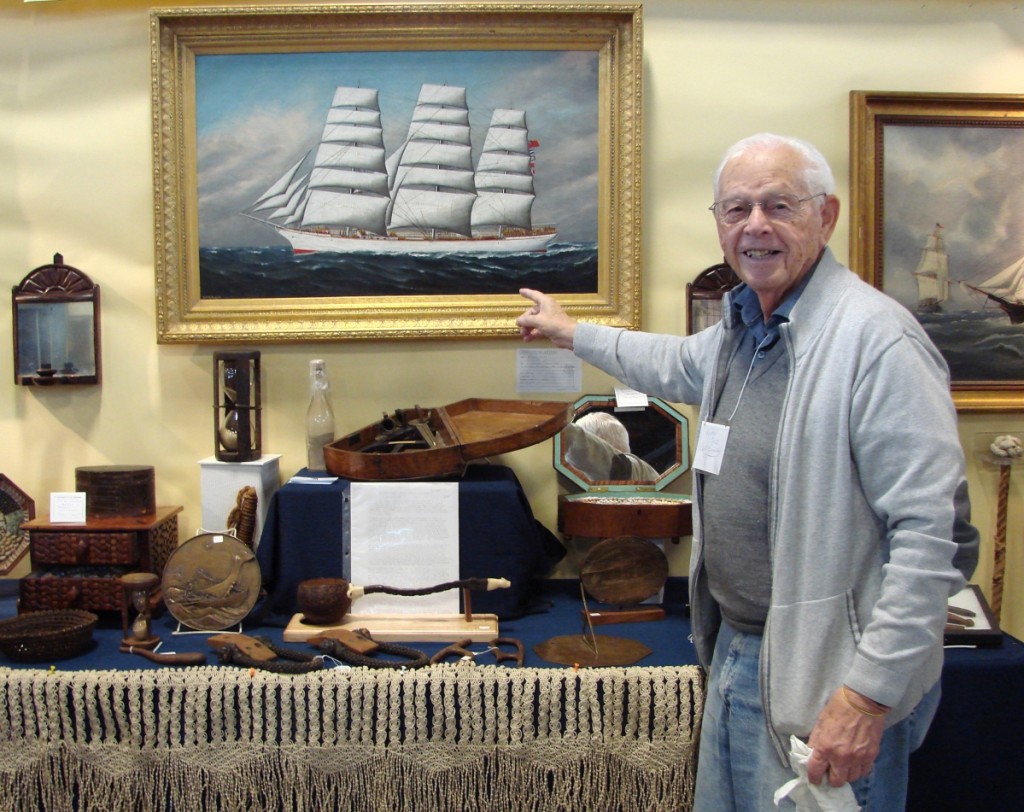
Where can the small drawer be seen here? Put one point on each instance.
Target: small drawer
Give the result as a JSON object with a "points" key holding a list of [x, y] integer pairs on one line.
{"points": [[94, 588], [84, 548]]}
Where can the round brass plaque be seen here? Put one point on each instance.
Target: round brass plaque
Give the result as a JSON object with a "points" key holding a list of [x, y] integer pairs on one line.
{"points": [[211, 582]]}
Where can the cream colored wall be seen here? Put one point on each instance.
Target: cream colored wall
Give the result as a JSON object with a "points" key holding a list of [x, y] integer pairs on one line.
{"points": [[75, 177]]}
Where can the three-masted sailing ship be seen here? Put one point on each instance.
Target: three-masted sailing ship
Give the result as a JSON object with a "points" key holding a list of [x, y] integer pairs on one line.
{"points": [[346, 196]]}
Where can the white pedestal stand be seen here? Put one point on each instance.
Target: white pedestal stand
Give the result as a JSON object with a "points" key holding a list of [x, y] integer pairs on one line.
{"points": [[220, 483]]}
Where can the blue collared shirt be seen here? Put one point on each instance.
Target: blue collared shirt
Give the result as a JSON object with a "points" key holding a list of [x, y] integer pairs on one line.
{"points": [[747, 306]]}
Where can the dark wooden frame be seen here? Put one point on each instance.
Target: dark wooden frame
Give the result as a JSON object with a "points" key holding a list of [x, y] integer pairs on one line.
{"points": [[52, 284]]}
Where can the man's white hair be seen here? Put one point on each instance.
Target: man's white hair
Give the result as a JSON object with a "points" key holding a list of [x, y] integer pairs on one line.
{"points": [[606, 426], [817, 174]]}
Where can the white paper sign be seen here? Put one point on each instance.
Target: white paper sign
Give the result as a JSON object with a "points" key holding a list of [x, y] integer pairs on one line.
{"points": [[406, 535], [629, 400], [67, 508], [548, 370]]}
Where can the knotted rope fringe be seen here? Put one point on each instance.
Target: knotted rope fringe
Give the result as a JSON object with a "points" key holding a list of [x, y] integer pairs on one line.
{"points": [[446, 737]]}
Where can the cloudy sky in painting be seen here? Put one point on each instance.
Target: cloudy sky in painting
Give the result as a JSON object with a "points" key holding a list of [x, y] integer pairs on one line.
{"points": [[970, 180], [257, 114]]}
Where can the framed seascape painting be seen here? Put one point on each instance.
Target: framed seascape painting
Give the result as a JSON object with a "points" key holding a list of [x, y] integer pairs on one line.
{"points": [[937, 206], [393, 171]]}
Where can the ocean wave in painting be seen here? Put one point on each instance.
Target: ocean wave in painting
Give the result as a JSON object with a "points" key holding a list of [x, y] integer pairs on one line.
{"points": [[258, 273], [979, 346]]}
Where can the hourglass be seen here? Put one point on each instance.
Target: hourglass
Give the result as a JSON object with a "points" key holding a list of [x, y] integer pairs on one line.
{"points": [[236, 404], [138, 587]]}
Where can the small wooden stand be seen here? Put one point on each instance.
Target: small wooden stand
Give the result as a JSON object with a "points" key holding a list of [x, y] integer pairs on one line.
{"points": [[403, 628]]}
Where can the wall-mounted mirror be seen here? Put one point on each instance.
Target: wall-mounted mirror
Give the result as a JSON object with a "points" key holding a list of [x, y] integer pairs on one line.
{"points": [[704, 296], [56, 327]]}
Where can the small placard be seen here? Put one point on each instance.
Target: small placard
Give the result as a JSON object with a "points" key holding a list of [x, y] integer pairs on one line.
{"points": [[67, 508], [629, 400], [405, 535], [548, 370]]}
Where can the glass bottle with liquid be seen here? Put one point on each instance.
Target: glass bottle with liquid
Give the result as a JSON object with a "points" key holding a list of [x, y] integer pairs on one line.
{"points": [[319, 416]]}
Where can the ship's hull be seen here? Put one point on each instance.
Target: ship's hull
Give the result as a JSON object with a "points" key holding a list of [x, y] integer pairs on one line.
{"points": [[1014, 310], [309, 242]]}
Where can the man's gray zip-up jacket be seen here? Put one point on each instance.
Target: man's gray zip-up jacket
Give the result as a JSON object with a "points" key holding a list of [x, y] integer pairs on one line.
{"points": [[869, 520]]}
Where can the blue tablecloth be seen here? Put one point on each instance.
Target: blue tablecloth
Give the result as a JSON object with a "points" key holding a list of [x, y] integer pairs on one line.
{"points": [[556, 612], [498, 538], [969, 759]]}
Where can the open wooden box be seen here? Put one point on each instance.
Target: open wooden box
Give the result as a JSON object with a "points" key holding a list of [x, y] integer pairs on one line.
{"points": [[419, 443]]}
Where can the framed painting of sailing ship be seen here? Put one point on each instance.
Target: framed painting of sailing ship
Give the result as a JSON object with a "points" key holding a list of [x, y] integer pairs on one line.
{"points": [[937, 201], [393, 171]]}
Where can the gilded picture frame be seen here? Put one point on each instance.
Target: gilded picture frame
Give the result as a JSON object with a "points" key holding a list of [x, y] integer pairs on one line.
{"points": [[937, 196], [546, 48]]}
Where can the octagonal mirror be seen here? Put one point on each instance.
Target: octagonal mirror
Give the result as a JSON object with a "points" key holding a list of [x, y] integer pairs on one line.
{"points": [[607, 449]]}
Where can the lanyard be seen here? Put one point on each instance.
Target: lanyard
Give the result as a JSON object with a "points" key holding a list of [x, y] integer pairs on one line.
{"points": [[746, 379], [713, 436]]}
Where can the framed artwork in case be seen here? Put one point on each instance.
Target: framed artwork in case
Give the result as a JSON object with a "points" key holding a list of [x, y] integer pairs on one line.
{"points": [[16, 508]]}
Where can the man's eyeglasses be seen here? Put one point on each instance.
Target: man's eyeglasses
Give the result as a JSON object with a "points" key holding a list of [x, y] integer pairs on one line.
{"points": [[735, 210]]}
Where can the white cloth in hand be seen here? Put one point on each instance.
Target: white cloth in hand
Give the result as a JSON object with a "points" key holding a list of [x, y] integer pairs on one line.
{"points": [[810, 797]]}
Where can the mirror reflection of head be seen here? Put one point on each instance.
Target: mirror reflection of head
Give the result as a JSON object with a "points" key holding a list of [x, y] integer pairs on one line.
{"points": [[597, 444], [608, 427]]}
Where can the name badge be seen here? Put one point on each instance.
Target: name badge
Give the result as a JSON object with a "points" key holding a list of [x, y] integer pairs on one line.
{"points": [[710, 447]]}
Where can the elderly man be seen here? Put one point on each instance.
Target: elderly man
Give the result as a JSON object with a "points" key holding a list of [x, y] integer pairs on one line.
{"points": [[832, 521]]}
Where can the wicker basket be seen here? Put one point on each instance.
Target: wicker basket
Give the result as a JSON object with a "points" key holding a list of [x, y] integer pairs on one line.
{"points": [[47, 635]]}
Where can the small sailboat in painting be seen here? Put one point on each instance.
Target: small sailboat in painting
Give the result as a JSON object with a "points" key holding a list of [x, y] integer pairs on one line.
{"points": [[346, 196], [932, 274]]}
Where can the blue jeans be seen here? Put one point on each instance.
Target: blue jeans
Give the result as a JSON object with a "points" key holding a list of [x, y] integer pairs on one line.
{"points": [[738, 768]]}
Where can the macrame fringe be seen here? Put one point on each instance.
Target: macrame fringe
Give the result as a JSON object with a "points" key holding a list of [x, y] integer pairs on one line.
{"points": [[448, 737]]}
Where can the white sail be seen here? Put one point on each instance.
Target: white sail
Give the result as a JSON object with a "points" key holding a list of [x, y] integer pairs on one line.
{"points": [[348, 186], [1008, 283], [433, 184], [932, 272], [291, 215], [295, 196], [280, 191], [427, 196], [504, 180]]}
